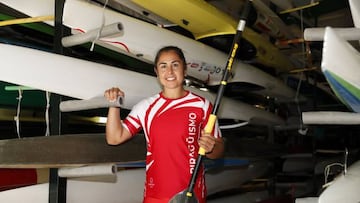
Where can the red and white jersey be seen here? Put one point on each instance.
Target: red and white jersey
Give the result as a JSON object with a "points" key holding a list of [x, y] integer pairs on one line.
{"points": [[172, 128]]}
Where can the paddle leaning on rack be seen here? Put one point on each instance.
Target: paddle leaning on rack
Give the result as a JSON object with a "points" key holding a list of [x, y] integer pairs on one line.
{"points": [[186, 195]]}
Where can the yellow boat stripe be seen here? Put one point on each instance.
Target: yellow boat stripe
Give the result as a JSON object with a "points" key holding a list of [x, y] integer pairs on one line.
{"points": [[198, 16]]}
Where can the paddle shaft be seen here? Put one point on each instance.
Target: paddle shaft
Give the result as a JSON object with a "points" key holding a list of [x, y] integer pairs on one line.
{"points": [[212, 119]]}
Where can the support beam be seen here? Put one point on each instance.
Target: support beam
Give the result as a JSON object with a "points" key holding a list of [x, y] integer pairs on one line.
{"points": [[68, 150], [317, 34], [81, 38], [331, 117], [93, 103]]}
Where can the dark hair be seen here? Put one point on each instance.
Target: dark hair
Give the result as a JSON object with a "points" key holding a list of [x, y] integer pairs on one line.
{"points": [[177, 50]]}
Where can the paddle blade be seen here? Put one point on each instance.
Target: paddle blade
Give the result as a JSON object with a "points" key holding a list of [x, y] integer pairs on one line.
{"points": [[182, 197]]}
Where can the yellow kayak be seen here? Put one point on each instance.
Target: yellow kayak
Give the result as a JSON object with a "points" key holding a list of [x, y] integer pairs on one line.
{"points": [[204, 20]]}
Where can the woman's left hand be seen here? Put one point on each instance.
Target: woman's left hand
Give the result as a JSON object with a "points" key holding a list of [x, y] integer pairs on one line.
{"points": [[207, 141]]}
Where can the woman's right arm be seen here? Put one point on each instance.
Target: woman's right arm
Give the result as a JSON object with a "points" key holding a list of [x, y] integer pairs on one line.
{"points": [[115, 132]]}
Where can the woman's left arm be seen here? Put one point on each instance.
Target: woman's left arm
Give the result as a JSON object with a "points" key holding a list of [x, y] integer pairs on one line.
{"points": [[218, 150], [214, 147]]}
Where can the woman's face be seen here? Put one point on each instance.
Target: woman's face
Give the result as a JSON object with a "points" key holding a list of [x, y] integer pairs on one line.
{"points": [[170, 70]]}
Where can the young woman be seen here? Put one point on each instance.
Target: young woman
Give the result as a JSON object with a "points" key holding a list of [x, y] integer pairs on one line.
{"points": [[173, 123]]}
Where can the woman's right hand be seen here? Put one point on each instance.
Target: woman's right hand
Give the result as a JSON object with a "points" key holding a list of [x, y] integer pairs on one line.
{"points": [[113, 93]]}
